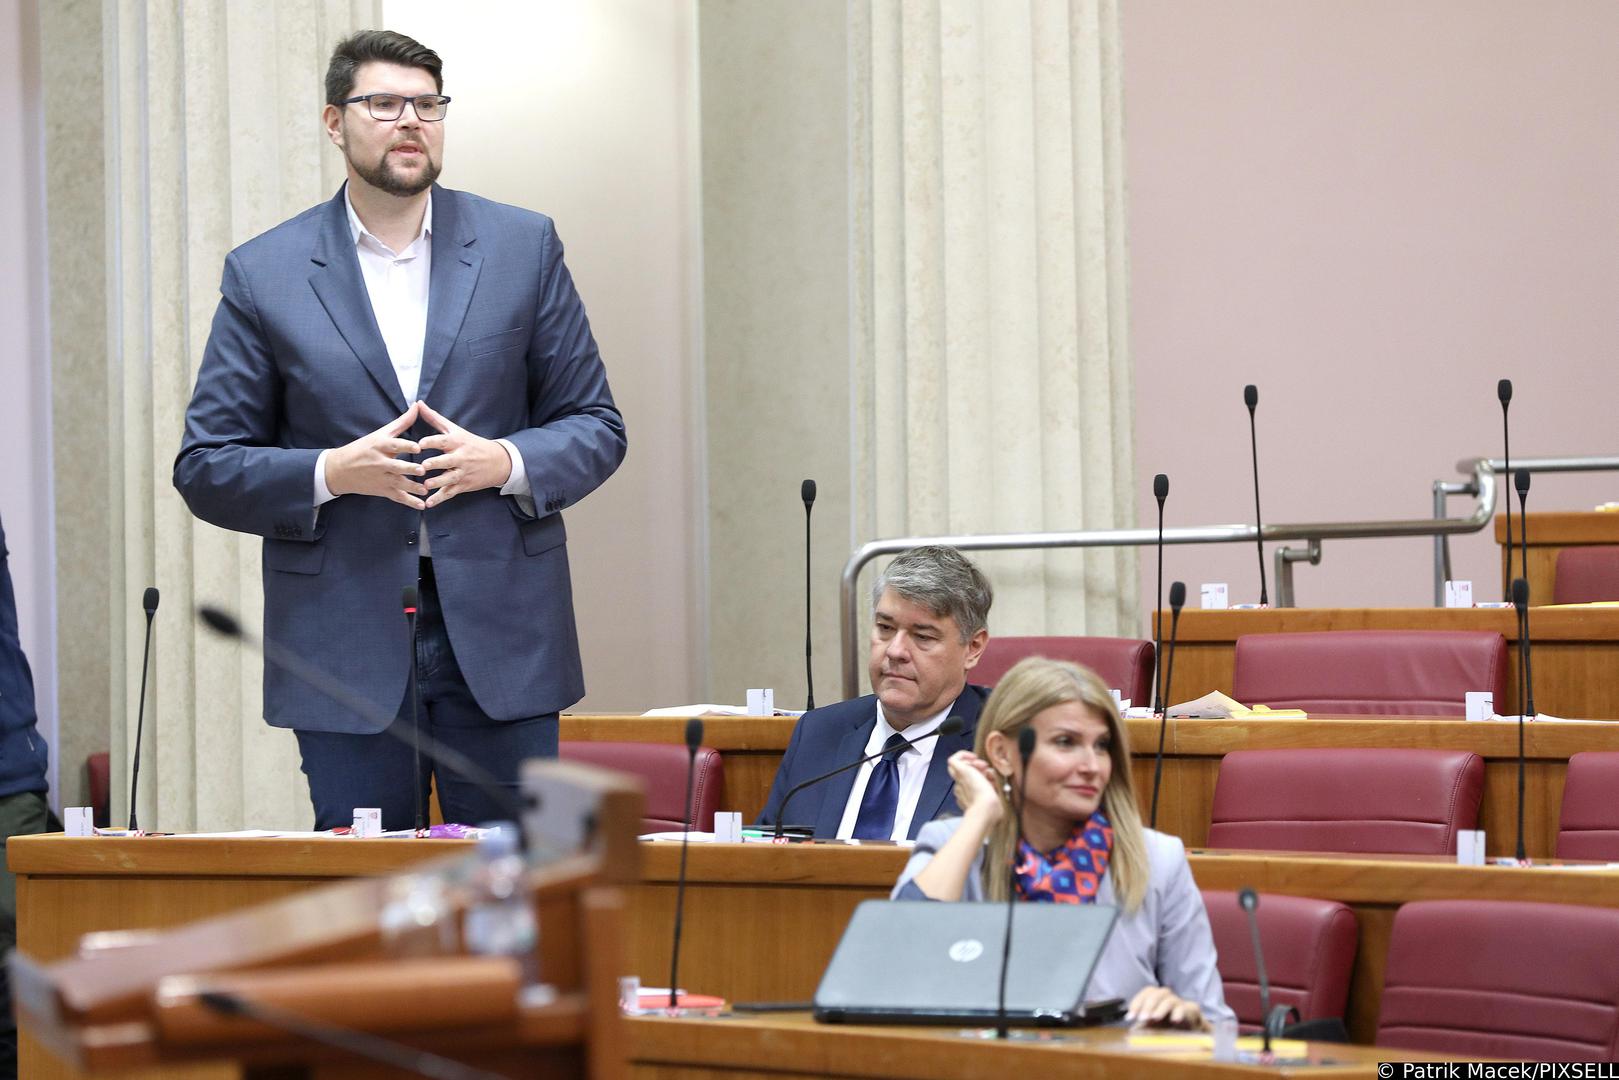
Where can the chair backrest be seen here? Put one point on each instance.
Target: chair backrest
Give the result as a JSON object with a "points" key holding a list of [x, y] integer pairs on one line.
{"points": [[1403, 802], [1588, 826], [98, 778], [1309, 954], [1379, 672], [1125, 664], [1586, 574], [1500, 979], [661, 767]]}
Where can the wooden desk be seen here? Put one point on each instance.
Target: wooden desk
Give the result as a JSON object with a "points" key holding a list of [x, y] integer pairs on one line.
{"points": [[1549, 534], [761, 920], [753, 747], [1576, 650], [795, 1046], [1193, 749]]}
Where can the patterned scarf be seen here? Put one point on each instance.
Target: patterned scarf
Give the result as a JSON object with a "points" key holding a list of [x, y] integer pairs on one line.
{"points": [[1072, 873]]}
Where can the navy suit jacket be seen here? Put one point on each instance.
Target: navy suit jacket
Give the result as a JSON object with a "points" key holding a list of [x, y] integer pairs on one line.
{"points": [[295, 364], [835, 735], [22, 750]]}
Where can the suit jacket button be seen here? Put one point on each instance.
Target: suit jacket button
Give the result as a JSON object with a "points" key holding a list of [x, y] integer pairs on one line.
{"points": [[410, 540]]}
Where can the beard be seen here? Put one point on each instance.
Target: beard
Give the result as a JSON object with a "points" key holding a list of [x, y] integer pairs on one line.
{"points": [[385, 177]]}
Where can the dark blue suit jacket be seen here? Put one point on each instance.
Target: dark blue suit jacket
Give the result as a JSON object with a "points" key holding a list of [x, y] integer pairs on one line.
{"points": [[835, 735], [22, 750], [295, 364]]}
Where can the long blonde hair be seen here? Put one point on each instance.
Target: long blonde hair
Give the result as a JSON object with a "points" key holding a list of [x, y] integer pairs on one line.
{"points": [[1032, 686]]}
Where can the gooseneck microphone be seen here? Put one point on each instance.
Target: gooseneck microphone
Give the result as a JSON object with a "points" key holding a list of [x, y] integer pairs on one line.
{"points": [[1025, 750], [1177, 600], [951, 726], [442, 753], [408, 600], [1274, 1020], [694, 739], [149, 603], [361, 1044], [1160, 491], [1526, 693], [1520, 480], [1503, 391], [1250, 398], [807, 492]]}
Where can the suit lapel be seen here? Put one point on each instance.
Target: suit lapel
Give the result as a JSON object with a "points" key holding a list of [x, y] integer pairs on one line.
{"points": [[836, 797], [456, 263], [937, 785], [337, 282]]}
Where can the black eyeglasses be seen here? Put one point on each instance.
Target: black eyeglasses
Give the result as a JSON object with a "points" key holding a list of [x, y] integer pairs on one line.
{"points": [[429, 107]]}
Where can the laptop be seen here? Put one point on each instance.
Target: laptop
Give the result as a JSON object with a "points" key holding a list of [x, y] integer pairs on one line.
{"points": [[919, 962]]}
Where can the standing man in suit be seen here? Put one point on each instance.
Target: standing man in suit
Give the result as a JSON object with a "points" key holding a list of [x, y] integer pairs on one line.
{"points": [[929, 626], [401, 389]]}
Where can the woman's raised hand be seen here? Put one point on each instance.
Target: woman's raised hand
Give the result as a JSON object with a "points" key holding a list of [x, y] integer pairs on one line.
{"points": [[976, 785]]}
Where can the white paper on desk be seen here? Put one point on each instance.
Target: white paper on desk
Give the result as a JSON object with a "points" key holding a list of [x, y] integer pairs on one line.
{"points": [[1546, 718], [698, 710], [695, 837]]}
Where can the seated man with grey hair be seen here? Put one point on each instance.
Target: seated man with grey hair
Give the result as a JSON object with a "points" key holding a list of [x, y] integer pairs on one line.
{"points": [[930, 608]]}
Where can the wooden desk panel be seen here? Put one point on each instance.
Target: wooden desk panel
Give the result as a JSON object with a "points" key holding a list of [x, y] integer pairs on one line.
{"points": [[1549, 534], [762, 920], [794, 1046], [753, 747], [1576, 650]]}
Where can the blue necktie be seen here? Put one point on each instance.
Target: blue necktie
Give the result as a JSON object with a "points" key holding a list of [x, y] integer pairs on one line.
{"points": [[877, 806]]}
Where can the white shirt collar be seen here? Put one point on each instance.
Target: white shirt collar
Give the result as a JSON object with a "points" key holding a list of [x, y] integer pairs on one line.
{"points": [[358, 231], [879, 736]]}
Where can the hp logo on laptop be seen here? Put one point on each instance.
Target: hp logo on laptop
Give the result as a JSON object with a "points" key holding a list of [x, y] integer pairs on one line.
{"points": [[966, 950]]}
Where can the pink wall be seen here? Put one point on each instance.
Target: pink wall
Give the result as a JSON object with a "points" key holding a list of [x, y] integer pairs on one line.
{"points": [[1373, 211]]}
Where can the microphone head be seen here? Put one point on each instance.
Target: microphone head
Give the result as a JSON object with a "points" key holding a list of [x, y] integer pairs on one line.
{"points": [[1250, 396], [952, 726], [219, 622], [694, 733], [1520, 594], [1160, 487], [1503, 390], [1520, 480], [1025, 744], [407, 599], [149, 600], [1177, 596], [806, 491], [1248, 899]]}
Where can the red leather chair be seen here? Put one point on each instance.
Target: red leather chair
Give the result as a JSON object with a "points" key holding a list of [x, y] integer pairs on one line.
{"points": [[1500, 979], [661, 767], [1585, 574], [1124, 664], [1406, 802], [1309, 954], [98, 778], [1588, 827], [1379, 672]]}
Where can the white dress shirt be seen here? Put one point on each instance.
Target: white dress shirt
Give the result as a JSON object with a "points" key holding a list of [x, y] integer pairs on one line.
{"points": [[913, 770], [397, 285]]}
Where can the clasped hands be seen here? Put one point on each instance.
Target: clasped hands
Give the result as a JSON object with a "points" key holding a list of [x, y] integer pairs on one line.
{"points": [[373, 464]]}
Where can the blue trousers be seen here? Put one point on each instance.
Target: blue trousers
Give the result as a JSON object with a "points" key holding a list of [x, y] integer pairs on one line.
{"points": [[346, 771]]}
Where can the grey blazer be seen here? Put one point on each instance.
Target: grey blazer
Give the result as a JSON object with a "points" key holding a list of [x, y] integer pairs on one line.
{"points": [[1165, 942]]}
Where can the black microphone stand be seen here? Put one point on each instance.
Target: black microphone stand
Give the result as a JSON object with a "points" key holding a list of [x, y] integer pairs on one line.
{"points": [[409, 601], [951, 726], [1025, 750], [1160, 491], [1503, 392], [807, 492], [1177, 600], [149, 603], [694, 739], [1250, 397]]}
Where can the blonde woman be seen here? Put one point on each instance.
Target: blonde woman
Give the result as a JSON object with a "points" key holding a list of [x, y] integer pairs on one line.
{"points": [[1083, 842]]}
